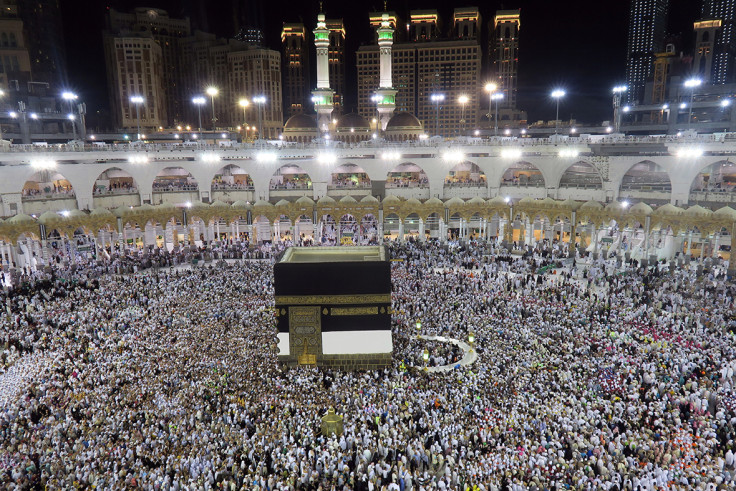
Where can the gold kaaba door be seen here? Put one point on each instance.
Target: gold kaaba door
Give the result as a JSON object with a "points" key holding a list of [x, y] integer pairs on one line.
{"points": [[305, 333]]}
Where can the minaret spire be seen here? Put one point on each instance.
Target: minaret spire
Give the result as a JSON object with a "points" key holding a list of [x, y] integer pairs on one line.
{"points": [[385, 94], [323, 95]]}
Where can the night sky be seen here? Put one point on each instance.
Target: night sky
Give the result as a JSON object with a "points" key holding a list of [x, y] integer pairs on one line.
{"points": [[578, 45]]}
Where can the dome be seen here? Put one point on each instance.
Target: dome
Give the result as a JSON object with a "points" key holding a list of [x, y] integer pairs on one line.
{"points": [[369, 199], [403, 119], [668, 209], [305, 200], [347, 199], [301, 128], [326, 200], [591, 205], [641, 208], [301, 122], [403, 126], [352, 121], [20, 218]]}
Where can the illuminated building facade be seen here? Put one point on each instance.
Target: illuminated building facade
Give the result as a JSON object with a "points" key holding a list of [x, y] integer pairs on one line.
{"points": [[295, 65], [647, 25], [505, 55], [717, 28]]}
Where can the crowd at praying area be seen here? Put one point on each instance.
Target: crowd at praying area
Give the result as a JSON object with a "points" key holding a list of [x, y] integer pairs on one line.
{"points": [[129, 373]]}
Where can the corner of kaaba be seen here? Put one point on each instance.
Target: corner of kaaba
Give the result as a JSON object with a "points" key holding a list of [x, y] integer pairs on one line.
{"points": [[333, 307]]}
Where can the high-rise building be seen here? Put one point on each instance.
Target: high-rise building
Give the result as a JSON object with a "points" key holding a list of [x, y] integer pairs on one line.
{"points": [[466, 23], [252, 72], [15, 63], [45, 40], [295, 69], [207, 66], [451, 68], [505, 55], [722, 69], [336, 56], [135, 68], [647, 26], [170, 34], [424, 25], [706, 33]]}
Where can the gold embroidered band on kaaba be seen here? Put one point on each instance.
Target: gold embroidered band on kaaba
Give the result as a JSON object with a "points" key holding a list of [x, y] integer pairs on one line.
{"points": [[332, 299]]}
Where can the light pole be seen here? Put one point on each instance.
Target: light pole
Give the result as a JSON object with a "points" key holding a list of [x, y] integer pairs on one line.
{"points": [[212, 92], [491, 89], [557, 94], [244, 103], [199, 101], [691, 84], [437, 98], [617, 92], [70, 97], [260, 100], [137, 100], [496, 97], [463, 99]]}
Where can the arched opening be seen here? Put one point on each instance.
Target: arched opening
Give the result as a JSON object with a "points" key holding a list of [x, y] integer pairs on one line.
{"points": [[350, 176], [348, 231], [290, 176], [581, 175], [412, 226], [453, 226], [174, 180], [368, 230], [407, 175], [47, 184], [465, 174], [646, 181], [305, 230], [262, 229], [114, 181], [714, 185], [232, 178], [283, 230], [391, 226], [327, 230], [522, 174], [432, 226]]}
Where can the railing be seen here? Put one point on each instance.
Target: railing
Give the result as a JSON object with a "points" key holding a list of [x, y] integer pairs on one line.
{"points": [[527, 184], [232, 187], [454, 184], [285, 187], [114, 192], [361, 185], [430, 143], [48, 196], [175, 189], [399, 185]]}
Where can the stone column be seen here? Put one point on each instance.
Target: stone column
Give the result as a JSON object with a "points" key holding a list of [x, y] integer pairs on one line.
{"points": [[422, 237], [401, 230], [572, 247], [689, 243]]}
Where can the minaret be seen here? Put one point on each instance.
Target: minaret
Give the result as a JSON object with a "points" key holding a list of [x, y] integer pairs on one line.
{"points": [[385, 94], [323, 95]]}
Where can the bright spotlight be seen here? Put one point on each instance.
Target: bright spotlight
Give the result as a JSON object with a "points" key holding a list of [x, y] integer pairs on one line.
{"points": [[683, 105], [138, 159], [453, 155], [266, 157], [327, 158], [43, 164], [568, 153], [391, 156], [210, 158], [725, 102], [507, 199], [65, 213], [624, 204], [511, 153], [690, 152]]}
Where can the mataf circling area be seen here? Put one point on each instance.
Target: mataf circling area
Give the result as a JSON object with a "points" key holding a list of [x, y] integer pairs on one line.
{"points": [[596, 377]]}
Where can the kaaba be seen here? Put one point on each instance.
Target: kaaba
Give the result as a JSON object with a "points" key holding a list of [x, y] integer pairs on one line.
{"points": [[333, 307]]}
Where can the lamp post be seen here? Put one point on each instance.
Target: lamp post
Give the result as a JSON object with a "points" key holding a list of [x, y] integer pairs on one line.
{"points": [[557, 95], [491, 88], [70, 97], [137, 100], [471, 340], [425, 357], [244, 103], [212, 92], [199, 101], [419, 327], [617, 92], [691, 84], [437, 98], [463, 99], [496, 97], [260, 100]]}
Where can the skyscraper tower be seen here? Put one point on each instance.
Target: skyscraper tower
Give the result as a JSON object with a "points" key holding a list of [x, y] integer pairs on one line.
{"points": [[295, 69], [722, 69], [647, 25], [336, 57], [505, 51], [323, 95], [385, 94]]}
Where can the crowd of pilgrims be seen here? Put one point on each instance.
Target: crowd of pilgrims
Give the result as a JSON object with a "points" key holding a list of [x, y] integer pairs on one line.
{"points": [[591, 377]]}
